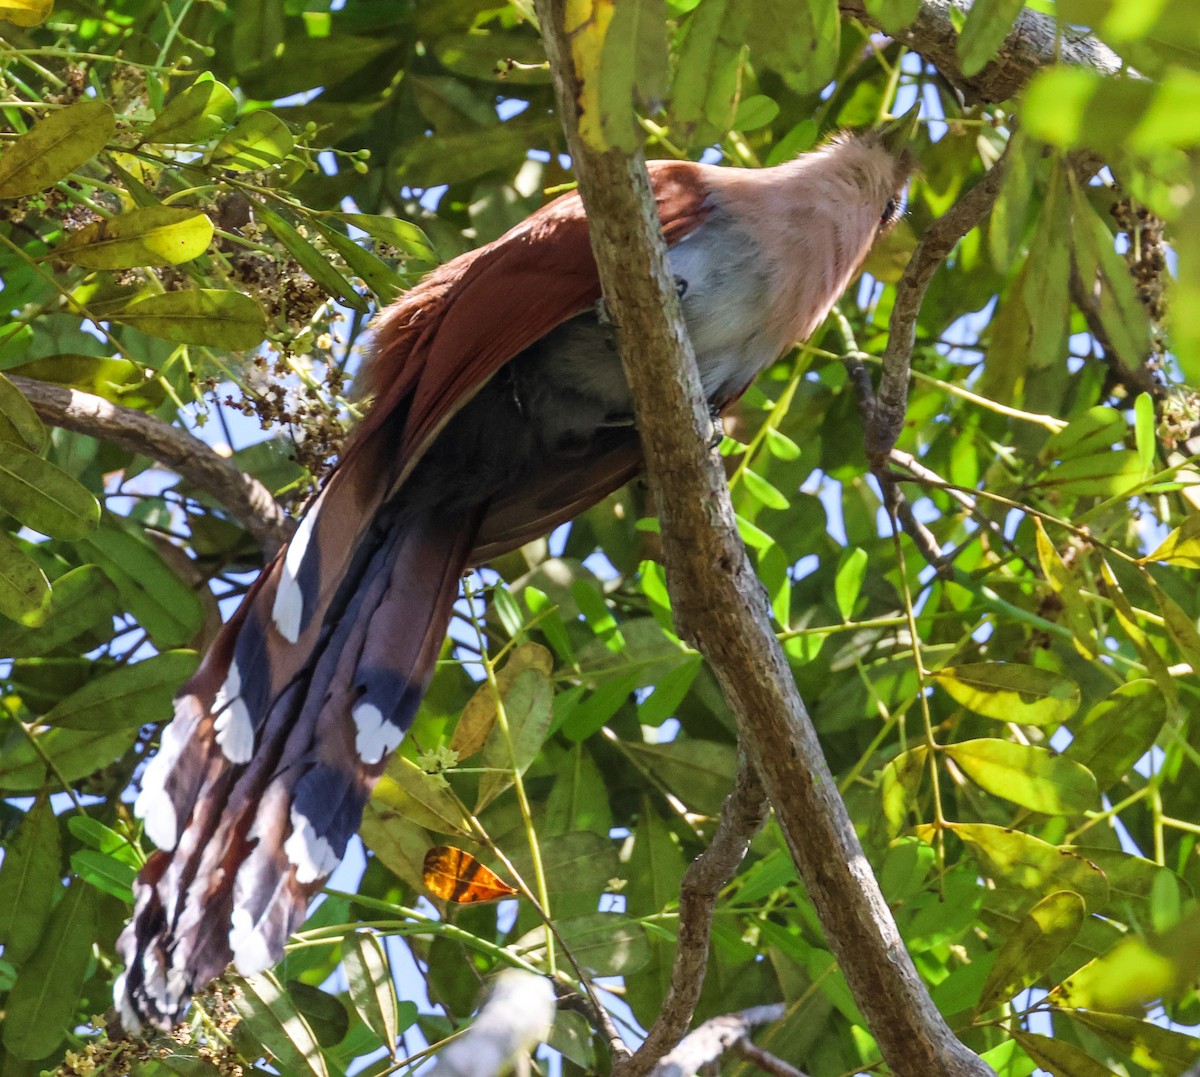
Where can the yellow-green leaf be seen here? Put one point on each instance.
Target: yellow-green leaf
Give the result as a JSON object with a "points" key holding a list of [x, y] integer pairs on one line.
{"points": [[43, 496], [199, 113], [1064, 584], [211, 317], [1033, 777], [762, 491], [398, 233], [1010, 692], [1181, 546], [1149, 1045], [117, 380], [154, 236], [29, 875], [1043, 933], [372, 991], [55, 146]]}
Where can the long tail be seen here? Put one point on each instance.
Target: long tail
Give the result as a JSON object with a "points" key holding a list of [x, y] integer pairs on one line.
{"points": [[262, 775]]}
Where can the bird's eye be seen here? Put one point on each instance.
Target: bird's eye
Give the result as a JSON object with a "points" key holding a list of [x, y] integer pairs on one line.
{"points": [[890, 212]]}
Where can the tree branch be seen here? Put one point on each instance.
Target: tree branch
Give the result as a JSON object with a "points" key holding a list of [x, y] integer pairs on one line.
{"points": [[718, 1035], [742, 816], [246, 499], [720, 606], [1035, 41], [891, 398]]}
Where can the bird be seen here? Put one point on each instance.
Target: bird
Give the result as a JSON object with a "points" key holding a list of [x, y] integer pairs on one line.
{"points": [[498, 409]]}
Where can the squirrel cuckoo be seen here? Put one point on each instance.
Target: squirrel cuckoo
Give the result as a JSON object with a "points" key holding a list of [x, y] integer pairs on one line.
{"points": [[500, 410]]}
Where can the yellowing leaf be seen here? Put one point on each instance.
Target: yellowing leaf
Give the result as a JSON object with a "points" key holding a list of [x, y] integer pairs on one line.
{"points": [[1059, 1057], [479, 715], [55, 146], [1010, 692], [258, 141]]}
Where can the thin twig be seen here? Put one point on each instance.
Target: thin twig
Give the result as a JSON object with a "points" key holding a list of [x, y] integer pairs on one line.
{"points": [[246, 499], [891, 397], [764, 1060], [742, 816]]}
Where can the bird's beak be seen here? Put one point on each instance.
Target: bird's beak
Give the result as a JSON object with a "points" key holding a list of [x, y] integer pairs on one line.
{"points": [[898, 133]]}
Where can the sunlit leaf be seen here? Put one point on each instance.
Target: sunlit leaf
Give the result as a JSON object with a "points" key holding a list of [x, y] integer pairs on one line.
{"points": [[372, 990], [199, 113], [24, 589], [259, 141], [1028, 775], [1181, 546], [1059, 1057], [43, 496], [479, 715], [26, 12], [1118, 731], [272, 1018], [155, 236]]}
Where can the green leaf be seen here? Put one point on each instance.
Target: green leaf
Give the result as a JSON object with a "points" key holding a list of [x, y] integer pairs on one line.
{"points": [[1064, 584], [1145, 437], [899, 783], [893, 15], [762, 491], [24, 589], [369, 974], [311, 260], [1097, 430], [707, 67], [259, 141], [164, 605], [406, 790], [325, 1014], [1118, 731], [74, 753], [1111, 474], [55, 146], [105, 873], [1041, 936], [1033, 777], [581, 862], [199, 113], [273, 1020], [988, 24], [131, 695], [527, 708], [699, 772], [847, 584], [384, 282], [605, 943], [29, 878], [1010, 692], [1022, 862], [81, 600], [44, 497], [1180, 625], [43, 1002], [754, 112], [1059, 1057], [1181, 546], [398, 233], [18, 421], [154, 236], [210, 317]]}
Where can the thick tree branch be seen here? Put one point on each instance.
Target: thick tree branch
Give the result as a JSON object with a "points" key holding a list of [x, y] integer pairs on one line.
{"points": [[742, 816], [1034, 42], [246, 499], [720, 605]]}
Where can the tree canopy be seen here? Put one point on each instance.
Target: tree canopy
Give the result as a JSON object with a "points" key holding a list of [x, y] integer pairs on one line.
{"points": [[990, 607]]}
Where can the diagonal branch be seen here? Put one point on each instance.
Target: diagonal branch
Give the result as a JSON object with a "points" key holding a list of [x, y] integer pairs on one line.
{"points": [[719, 1035], [721, 607], [742, 816], [245, 498]]}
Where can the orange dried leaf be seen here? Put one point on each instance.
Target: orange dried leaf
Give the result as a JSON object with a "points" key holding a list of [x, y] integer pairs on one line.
{"points": [[455, 875]]}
